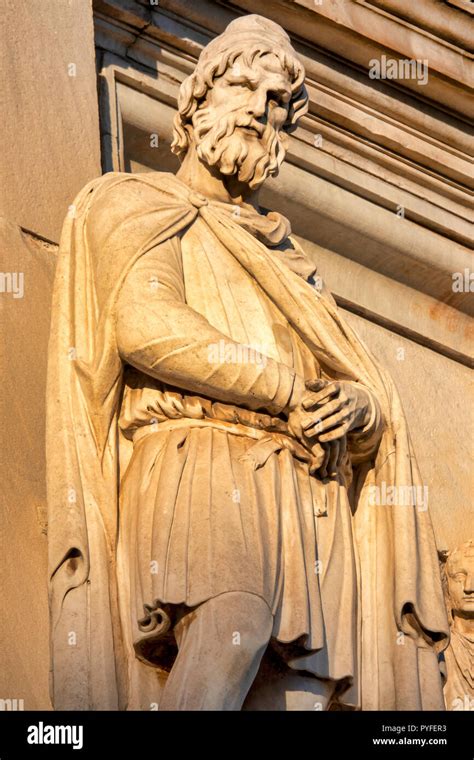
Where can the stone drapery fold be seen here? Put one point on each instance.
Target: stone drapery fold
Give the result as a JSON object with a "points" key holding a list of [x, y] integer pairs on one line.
{"points": [[400, 589]]}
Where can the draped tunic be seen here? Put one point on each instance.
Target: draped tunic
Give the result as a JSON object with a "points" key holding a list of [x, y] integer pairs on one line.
{"points": [[199, 488], [218, 496]]}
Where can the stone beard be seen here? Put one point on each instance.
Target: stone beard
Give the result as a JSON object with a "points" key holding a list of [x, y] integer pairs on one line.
{"points": [[223, 145], [222, 551]]}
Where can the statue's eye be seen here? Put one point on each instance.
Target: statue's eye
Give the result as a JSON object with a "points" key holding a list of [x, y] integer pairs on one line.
{"points": [[460, 576], [240, 83], [277, 98]]}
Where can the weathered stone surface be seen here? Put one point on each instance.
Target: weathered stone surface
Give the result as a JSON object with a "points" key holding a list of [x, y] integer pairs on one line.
{"points": [[49, 147], [49, 140], [25, 322], [436, 393]]}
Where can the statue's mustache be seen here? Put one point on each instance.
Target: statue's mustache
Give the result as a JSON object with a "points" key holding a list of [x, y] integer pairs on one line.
{"points": [[226, 125], [222, 141]]}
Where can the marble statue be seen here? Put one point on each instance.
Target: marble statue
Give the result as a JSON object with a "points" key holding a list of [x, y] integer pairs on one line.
{"points": [[458, 578], [216, 432]]}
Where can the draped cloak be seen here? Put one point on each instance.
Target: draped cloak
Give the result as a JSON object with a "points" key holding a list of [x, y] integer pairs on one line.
{"points": [[399, 588]]}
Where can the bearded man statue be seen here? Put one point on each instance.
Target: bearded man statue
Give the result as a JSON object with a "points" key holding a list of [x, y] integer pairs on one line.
{"points": [[215, 431]]}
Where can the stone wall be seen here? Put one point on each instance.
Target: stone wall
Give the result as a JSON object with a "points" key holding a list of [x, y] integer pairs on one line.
{"points": [[50, 147]]}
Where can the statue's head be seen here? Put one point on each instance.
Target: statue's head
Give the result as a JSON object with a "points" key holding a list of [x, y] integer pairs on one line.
{"points": [[245, 95], [459, 580]]}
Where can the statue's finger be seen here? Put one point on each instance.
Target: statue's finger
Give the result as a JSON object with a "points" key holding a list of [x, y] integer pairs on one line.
{"points": [[342, 450], [330, 390], [341, 429], [333, 458], [323, 469], [318, 456], [326, 411], [317, 384], [332, 420]]}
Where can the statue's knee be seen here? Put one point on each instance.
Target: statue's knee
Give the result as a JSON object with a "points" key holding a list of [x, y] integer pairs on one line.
{"points": [[247, 621]]}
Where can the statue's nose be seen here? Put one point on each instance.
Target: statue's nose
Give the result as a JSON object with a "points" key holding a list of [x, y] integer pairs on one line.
{"points": [[257, 104], [469, 584]]}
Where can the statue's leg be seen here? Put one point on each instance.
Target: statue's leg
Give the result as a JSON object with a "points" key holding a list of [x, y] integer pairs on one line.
{"points": [[221, 644], [307, 692], [285, 689]]}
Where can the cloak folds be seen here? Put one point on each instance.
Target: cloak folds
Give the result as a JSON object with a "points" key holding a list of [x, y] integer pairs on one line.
{"points": [[398, 576]]}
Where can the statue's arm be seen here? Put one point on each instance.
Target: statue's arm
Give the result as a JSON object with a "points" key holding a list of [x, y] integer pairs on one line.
{"points": [[159, 334]]}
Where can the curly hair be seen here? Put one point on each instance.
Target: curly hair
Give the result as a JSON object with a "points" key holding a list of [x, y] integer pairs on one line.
{"points": [[194, 89]]}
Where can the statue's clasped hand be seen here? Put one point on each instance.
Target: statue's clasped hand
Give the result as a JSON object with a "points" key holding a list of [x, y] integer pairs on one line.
{"points": [[322, 415]]}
